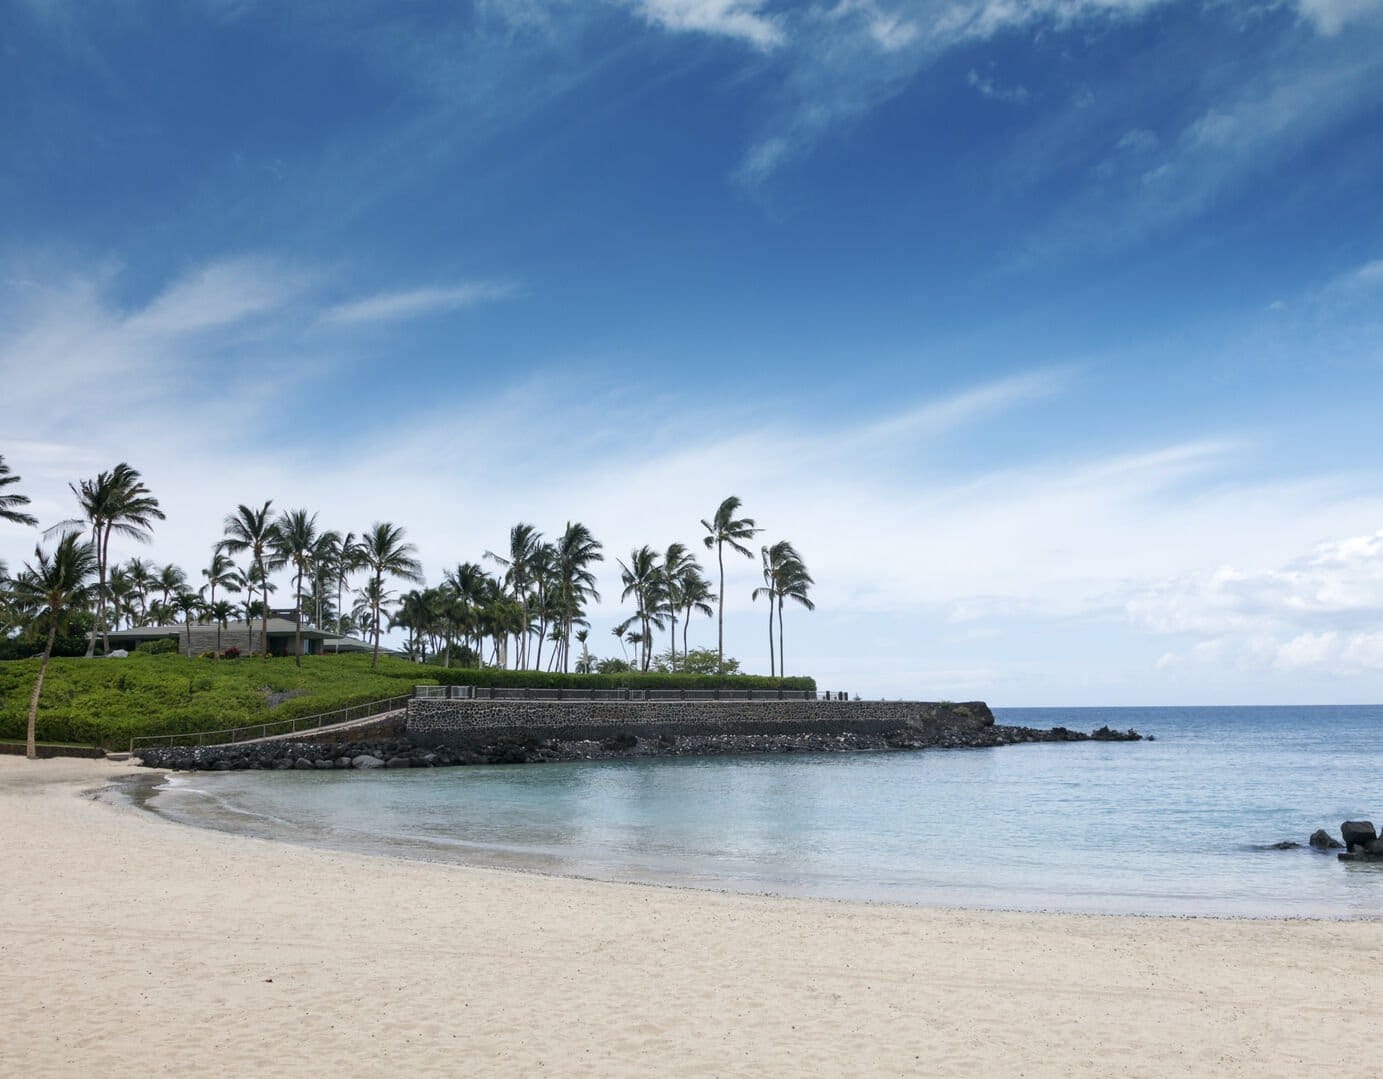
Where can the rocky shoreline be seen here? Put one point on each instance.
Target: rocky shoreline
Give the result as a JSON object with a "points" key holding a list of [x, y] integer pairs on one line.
{"points": [[400, 752]]}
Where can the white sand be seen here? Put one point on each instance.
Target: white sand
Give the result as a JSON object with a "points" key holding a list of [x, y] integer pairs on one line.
{"points": [[130, 945]]}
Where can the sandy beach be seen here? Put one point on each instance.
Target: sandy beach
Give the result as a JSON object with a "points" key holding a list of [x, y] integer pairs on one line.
{"points": [[130, 945]]}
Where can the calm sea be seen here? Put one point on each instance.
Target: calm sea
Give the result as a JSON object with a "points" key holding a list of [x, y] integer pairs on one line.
{"points": [[1179, 825]]}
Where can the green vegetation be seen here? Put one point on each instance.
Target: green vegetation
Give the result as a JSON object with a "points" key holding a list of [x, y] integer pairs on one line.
{"points": [[109, 701]]}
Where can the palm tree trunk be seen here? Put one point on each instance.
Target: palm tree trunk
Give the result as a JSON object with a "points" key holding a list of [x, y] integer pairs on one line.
{"points": [[97, 535], [374, 602], [30, 749], [298, 623], [782, 668], [720, 634], [686, 625], [770, 635]]}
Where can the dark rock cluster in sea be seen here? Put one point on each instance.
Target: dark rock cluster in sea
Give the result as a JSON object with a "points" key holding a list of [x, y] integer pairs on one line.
{"points": [[1360, 842], [399, 752]]}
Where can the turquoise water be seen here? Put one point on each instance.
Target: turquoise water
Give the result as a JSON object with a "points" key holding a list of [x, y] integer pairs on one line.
{"points": [[1172, 826]]}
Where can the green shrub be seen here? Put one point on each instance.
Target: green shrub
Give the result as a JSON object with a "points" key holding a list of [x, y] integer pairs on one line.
{"points": [[160, 647]]}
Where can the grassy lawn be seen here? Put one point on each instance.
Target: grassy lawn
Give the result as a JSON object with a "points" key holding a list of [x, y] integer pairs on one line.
{"points": [[107, 702]]}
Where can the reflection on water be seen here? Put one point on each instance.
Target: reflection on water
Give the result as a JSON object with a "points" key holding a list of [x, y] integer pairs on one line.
{"points": [[1169, 826]]}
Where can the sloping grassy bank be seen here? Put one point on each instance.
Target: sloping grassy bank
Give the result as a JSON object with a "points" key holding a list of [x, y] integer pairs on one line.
{"points": [[109, 701]]}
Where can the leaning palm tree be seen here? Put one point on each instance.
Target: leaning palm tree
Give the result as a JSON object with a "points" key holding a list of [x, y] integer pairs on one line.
{"points": [[294, 543], [10, 503], [253, 530], [49, 587], [384, 550], [115, 502], [721, 529]]}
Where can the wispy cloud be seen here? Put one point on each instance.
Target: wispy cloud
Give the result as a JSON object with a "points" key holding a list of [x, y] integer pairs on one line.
{"points": [[743, 20], [987, 87], [414, 303]]}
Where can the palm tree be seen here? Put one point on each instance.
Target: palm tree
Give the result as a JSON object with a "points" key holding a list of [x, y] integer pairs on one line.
{"points": [[114, 502], [783, 571], [172, 580], [471, 584], [189, 605], [721, 529], [221, 572], [140, 580], [643, 579], [51, 586], [696, 594], [10, 503], [121, 590], [345, 559], [520, 564], [385, 552], [794, 582], [324, 554], [676, 562], [221, 612], [253, 530], [583, 665], [294, 542], [576, 551]]}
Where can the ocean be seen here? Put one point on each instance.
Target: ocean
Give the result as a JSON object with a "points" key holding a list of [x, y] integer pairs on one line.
{"points": [[1181, 825]]}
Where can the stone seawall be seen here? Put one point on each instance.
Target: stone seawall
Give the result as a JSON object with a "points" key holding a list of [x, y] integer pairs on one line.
{"points": [[462, 722]]}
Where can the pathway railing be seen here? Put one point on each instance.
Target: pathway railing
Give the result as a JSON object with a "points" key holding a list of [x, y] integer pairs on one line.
{"points": [[515, 693], [273, 727]]}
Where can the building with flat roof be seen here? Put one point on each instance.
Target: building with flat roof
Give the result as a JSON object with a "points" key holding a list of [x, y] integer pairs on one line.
{"points": [[203, 637]]}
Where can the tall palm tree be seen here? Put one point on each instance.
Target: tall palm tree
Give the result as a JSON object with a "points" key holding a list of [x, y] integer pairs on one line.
{"points": [[114, 503], [221, 572], [794, 583], [51, 586], [768, 590], [294, 543], [724, 528], [520, 563], [576, 551], [189, 605], [140, 580], [643, 579], [121, 590], [252, 530], [345, 559], [324, 554], [471, 585], [676, 562], [10, 503], [386, 553], [696, 599]]}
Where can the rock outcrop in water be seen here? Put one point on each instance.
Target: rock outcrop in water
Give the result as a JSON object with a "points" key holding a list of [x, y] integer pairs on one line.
{"points": [[517, 749]]}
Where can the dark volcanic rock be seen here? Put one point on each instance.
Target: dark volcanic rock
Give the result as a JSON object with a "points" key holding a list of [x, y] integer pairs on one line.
{"points": [[365, 760], [1323, 840], [1357, 833], [1285, 844]]}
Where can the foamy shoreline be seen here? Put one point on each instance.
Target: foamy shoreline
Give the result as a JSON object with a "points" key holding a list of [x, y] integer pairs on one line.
{"points": [[131, 944]]}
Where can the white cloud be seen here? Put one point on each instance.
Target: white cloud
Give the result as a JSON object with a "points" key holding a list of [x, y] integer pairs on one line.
{"points": [[743, 20], [988, 88], [1331, 16], [413, 303]]}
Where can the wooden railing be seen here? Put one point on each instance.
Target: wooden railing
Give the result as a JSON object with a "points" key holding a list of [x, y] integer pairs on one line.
{"points": [[515, 693], [273, 727]]}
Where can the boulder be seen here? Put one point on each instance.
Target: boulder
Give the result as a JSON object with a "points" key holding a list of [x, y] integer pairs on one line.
{"points": [[1357, 833], [1376, 847], [365, 760], [1323, 840], [303, 764], [323, 765], [343, 762], [119, 653], [398, 762], [1285, 844]]}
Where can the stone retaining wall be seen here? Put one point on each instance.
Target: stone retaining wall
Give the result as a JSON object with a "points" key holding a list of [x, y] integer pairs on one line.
{"points": [[457, 722]]}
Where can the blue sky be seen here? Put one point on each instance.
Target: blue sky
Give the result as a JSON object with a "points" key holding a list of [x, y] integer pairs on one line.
{"points": [[1051, 332]]}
